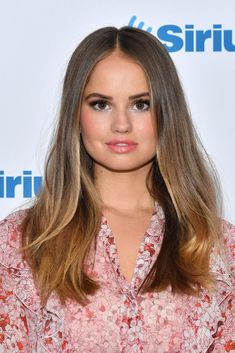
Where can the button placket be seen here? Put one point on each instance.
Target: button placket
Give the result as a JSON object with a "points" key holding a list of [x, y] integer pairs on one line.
{"points": [[131, 329]]}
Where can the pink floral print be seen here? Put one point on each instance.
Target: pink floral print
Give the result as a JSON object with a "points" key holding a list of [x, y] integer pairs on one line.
{"points": [[118, 318]]}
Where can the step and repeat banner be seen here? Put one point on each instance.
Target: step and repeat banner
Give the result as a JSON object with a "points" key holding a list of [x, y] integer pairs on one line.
{"points": [[37, 40]]}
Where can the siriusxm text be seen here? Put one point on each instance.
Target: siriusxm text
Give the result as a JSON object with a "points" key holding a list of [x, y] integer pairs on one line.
{"points": [[190, 39]]}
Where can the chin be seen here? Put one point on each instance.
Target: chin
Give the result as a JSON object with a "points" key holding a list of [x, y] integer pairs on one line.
{"points": [[122, 166]]}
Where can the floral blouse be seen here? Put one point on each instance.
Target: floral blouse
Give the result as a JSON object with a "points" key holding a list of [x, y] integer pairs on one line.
{"points": [[118, 319]]}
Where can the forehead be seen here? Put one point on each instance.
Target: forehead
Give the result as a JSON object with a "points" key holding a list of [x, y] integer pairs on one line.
{"points": [[117, 70]]}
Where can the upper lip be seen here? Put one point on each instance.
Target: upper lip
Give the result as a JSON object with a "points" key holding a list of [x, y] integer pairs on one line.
{"points": [[115, 142]]}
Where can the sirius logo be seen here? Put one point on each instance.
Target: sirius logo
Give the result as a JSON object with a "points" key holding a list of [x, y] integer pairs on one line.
{"points": [[175, 38], [30, 185]]}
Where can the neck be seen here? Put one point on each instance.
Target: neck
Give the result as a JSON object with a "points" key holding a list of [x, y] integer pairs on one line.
{"points": [[123, 190]]}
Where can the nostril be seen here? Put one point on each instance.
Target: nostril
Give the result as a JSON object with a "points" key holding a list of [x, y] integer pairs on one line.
{"points": [[123, 131]]}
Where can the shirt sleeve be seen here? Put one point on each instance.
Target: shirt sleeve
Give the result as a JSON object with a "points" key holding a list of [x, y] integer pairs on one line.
{"points": [[14, 336], [25, 325], [226, 333]]}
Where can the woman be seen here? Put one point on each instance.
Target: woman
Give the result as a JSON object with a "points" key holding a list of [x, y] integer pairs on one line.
{"points": [[124, 249]]}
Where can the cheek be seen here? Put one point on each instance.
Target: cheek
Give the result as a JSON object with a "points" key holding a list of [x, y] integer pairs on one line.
{"points": [[148, 129], [87, 123], [93, 127]]}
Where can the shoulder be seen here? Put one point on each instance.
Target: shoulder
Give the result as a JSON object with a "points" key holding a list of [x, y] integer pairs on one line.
{"points": [[228, 243], [227, 232], [10, 239], [222, 261]]}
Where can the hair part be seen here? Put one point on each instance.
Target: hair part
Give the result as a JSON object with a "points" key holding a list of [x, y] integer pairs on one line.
{"points": [[65, 217]]}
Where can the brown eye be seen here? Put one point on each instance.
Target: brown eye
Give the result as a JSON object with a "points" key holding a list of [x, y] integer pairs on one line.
{"points": [[142, 105], [99, 105]]}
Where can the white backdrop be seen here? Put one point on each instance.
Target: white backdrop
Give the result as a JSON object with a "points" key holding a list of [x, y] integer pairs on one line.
{"points": [[37, 40]]}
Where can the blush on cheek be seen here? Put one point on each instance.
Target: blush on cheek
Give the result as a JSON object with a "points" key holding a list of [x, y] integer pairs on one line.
{"points": [[92, 125], [86, 122]]}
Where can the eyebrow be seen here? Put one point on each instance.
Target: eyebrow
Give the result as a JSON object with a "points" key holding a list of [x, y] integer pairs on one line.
{"points": [[95, 94]]}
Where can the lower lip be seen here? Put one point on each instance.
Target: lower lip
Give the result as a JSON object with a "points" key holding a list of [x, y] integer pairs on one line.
{"points": [[122, 149]]}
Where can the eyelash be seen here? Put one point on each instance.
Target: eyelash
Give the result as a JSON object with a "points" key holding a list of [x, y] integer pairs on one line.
{"points": [[101, 101]]}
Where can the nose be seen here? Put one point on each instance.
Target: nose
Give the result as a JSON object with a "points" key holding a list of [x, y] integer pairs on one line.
{"points": [[121, 122]]}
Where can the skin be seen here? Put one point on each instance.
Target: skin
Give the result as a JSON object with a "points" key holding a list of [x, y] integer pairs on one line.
{"points": [[120, 178]]}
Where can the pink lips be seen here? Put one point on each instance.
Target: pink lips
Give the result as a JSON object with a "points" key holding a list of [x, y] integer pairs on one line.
{"points": [[122, 146]]}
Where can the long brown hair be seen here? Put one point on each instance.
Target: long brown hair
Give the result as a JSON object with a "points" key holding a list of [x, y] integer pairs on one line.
{"points": [[60, 227]]}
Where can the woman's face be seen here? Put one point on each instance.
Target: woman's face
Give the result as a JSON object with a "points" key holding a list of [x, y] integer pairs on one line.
{"points": [[118, 129]]}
